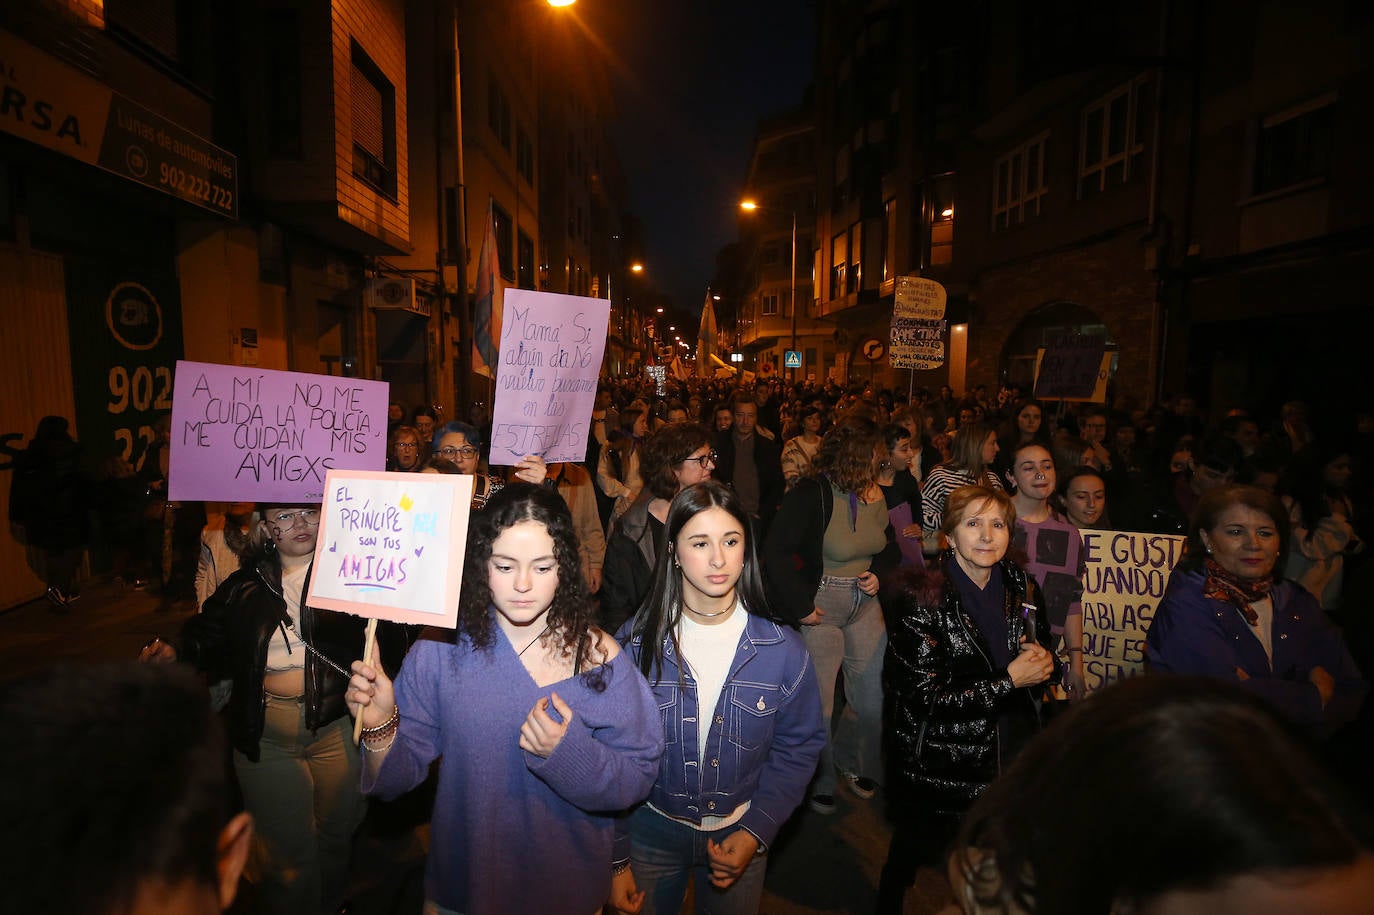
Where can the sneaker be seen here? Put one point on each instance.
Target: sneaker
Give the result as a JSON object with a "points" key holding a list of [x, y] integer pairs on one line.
{"points": [[823, 804], [861, 785]]}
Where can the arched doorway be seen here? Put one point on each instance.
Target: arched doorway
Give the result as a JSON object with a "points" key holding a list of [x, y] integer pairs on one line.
{"points": [[1041, 326]]}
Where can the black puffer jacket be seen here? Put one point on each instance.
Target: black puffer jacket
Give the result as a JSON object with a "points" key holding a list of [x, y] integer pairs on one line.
{"points": [[943, 697], [229, 637]]}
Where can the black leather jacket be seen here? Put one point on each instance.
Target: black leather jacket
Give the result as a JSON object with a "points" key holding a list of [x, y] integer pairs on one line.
{"points": [[229, 637], [943, 696]]}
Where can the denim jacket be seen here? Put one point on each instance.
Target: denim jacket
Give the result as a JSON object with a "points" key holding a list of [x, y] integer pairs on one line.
{"points": [[765, 735]]}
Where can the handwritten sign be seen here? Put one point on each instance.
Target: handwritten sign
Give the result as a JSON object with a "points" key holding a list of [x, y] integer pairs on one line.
{"points": [[917, 344], [391, 545], [245, 434], [918, 298], [1069, 367], [551, 349], [1126, 576]]}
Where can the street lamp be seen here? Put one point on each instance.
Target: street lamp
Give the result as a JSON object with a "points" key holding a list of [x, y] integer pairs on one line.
{"points": [[752, 205]]}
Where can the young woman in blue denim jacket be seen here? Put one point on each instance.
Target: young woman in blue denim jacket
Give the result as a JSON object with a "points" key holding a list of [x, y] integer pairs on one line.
{"points": [[730, 777]]}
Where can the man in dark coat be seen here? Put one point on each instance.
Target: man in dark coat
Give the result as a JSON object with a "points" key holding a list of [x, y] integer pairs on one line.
{"points": [[751, 464]]}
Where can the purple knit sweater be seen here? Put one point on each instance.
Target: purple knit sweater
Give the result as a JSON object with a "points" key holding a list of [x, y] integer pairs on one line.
{"points": [[512, 832]]}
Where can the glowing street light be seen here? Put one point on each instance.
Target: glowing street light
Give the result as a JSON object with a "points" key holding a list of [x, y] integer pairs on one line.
{"points": [[561, 3], [636, 267]]}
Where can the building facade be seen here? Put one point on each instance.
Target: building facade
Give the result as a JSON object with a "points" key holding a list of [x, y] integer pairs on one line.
{"points": [[1178, 179]]}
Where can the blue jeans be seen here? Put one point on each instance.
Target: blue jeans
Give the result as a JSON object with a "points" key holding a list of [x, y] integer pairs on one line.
{"points": [[665, 854], [851, 639]]}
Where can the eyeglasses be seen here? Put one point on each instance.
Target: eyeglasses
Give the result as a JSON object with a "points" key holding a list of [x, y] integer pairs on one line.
{"points": [[710, 457], [287, 520], [406, 446], [465, 452]]}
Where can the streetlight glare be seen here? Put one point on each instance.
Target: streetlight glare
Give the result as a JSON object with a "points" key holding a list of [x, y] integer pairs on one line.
{"points": [[636, 267], [561, 2], [748, 204], [659, 310]]}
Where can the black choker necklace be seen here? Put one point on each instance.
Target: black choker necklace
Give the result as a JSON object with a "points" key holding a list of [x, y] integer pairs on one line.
{"points": [[707, 616], [521, 652]]}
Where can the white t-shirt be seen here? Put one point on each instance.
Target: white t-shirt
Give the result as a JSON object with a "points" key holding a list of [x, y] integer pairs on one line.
{"points": [[709, 651]]}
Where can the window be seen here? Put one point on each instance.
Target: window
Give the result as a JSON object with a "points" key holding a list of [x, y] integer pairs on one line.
{"points": [[769, 306], [839, 261], [1018, 184], [1294, 146], [498, 110], [524, 156], [938, 213], [503, 229], [1114, 138], [373, 101], [524, 261], [854, 276]]}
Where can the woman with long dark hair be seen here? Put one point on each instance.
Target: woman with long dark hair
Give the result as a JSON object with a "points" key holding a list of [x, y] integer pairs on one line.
{"points": [[543, 727], [676, 456], [741, 713]]}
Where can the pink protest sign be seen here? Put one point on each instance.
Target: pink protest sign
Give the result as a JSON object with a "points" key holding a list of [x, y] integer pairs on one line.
{"points": [[551, 349], [392, 545], [244, 434]]}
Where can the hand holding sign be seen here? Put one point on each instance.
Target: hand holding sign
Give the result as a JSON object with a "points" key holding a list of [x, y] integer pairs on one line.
{"points": [[391, 545], [551, 351]]}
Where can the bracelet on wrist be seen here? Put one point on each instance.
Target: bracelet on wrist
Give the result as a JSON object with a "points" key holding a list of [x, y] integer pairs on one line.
{"points": [[388, 726], [386, 746], [620, 868]]}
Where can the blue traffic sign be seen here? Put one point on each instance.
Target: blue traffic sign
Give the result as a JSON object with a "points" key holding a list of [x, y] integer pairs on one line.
{"points": [[791, 359]]}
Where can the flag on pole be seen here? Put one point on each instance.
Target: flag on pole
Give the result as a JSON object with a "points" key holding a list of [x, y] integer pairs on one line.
{"points": [[488, 303], [706, 338]]}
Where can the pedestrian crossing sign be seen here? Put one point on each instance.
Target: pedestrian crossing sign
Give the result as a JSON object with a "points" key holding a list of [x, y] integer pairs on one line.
{"points": [[791, 359]]}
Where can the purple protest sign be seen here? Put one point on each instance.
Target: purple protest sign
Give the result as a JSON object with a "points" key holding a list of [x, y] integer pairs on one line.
{"points": [[551, 349], [243, 434]]}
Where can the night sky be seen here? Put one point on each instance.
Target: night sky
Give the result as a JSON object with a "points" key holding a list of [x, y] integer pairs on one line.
{"points": [[691, 81]]}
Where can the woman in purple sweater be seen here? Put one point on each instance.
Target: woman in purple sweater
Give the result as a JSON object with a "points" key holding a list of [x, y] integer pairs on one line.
{"points": [[544, 726]]}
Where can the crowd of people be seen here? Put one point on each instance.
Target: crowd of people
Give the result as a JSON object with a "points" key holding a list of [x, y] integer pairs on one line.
{"points": [[745, 599]]}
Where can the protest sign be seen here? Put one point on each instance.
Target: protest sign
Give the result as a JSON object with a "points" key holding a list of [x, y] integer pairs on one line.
{"points": [[917, 344], [1069, 368], [918, 298], [1125, 579], [551, 349], [391, 545], [245, 434], [918, 325]]}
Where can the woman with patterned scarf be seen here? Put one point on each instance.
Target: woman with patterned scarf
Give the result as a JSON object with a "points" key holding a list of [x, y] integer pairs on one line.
{"points": [[1225, 614]]}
